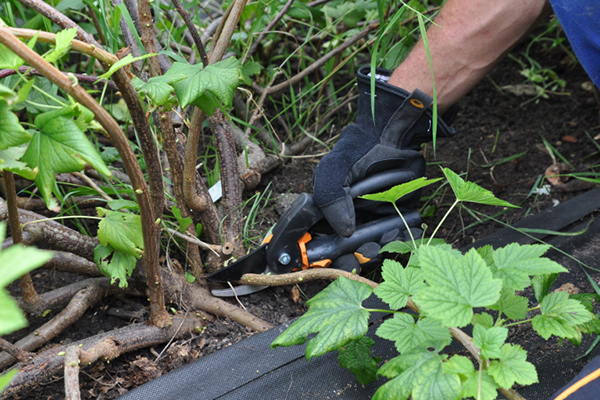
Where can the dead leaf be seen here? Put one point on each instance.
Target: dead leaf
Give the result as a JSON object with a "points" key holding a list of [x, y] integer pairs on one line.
{"points": [[569, 288], [295, 295], [569, 139], [522, 90], [564, 183]]}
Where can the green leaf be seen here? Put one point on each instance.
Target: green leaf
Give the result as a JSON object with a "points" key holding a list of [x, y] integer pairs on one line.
{"points": [[458, 365], [7, 95], [485, 320], [407, 247], [18, 260], [357, 357], [512, 367], [6, 378], [119, 266], [11, 316], [420, 375], [397, 192], [60, 146], [398, 283], [542, 284], [456, 286], [121, 204], [14, 262], [559, 316], [587, 299], [207, 102], [11, 131], [121, 231], [335, 313], [158, 88], [123, 62], [63, 44], [489, 340], [183, 222], [513, 306], [590, 327], [488, 386], [221, 79], [471, 192], [407, 334], [9, 161], [8, 59], [189, 277], [515, 263]]}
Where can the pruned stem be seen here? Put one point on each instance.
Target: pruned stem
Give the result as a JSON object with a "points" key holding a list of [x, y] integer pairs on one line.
{"points": [[328, 273]]}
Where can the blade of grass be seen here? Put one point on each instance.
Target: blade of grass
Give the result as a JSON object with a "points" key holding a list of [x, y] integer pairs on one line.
{"points": [[426, 45]]}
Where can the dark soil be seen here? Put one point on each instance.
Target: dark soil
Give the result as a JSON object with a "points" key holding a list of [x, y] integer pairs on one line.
{"points": [[492, 126]]}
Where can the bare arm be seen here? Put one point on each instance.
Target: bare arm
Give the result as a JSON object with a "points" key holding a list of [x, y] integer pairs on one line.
{"points": [[473, 36]]}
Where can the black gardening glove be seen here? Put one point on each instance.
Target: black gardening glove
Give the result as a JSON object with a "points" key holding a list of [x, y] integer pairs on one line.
{"points": [[402, 124]]}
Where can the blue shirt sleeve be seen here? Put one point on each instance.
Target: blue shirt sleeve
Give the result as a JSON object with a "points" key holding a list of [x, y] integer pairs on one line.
{"points": [[581, 21]]}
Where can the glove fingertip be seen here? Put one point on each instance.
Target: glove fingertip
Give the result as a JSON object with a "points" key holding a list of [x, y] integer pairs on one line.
{"points": [[340, 215]]}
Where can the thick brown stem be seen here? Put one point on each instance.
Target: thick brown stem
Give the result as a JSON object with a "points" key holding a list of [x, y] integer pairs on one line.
{"points": [[230, 181], [30, 296], [194, 190], [201, 299], [37, 228], [72, 263], [166, 127], [72, 373], [119, 140], [105, 346]]}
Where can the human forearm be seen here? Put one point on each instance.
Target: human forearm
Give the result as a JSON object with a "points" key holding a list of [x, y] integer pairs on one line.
{"points": [[473, 35]]}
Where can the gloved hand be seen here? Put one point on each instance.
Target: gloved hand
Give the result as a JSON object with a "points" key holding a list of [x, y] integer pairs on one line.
{"points": [[402, 124]]}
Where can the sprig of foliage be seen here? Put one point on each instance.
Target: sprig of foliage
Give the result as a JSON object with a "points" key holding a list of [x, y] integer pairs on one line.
{"points": [[444, 288]]}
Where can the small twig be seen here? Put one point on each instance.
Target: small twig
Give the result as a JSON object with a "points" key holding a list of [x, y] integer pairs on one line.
{"points": [[174, 335], [318, 63], [72, 373], [236, 296], [259, 105], [19, 354], [192, 28], [81, 78], [206, 246], [93, 185], [211, 29], [269, 27]]}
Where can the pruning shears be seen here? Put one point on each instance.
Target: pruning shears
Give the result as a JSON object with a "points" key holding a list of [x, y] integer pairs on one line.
{"points": [[302, 238]]}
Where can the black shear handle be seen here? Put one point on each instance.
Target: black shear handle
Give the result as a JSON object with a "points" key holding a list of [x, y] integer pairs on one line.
{"points": [[283, 253]]}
